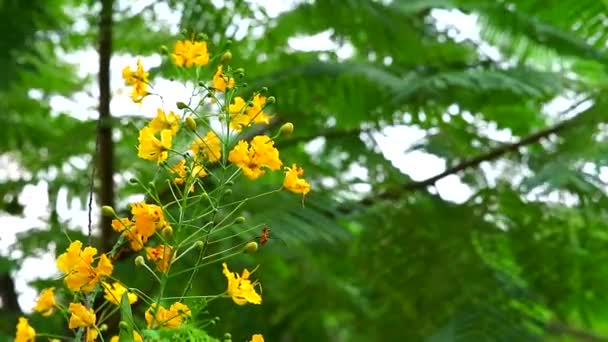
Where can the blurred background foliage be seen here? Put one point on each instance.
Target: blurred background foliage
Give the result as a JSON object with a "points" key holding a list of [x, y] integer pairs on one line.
{"points": [[373, 255]]}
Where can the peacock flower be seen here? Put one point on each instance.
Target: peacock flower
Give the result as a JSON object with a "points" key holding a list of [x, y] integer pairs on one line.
{"points": [[164, 121], [77, 264], [257, 338], [209, 146], [46, 302], [160, 255], [221, 82], [240, 288], [138, 79], [25, 333], [114, 293], [188, 53], [81, 316], [293, 183], [252, 158], [152, 148], [172, 318]]}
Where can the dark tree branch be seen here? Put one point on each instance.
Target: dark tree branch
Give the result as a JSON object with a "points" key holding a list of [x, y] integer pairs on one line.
{"points": [[106, 145]]}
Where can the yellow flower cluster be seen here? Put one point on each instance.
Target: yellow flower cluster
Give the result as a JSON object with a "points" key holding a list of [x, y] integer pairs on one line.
{"points": [[188, 53], [172, 318], [221, 149], [77, 264], [243, 114], [147, 219], [138, 79]]}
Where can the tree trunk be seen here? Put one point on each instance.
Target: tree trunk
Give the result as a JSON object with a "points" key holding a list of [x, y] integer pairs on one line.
{"points": [[106, 146]]}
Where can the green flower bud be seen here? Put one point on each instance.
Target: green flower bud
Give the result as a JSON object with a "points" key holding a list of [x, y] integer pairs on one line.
{"points": [[270, 100], [239, 72], [239, 220], [251, 247], [181, 105], [167, 232], [164, 50], [199, 244], [123, 325], [227, 56], [108, 211], [286, 129], [228, 192], [190, 123], [139, 261]]}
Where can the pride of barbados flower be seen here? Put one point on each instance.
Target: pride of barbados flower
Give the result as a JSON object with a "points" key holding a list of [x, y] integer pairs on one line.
{"points": [[138, 79], [209, 147], [77, 264], [257, 338], [221, 82], [46, 302], [252, 158], [152, 148], [25, 333], [292, 181], [114, 292], [136, 337], [81, 316], [240, 288], [172, 318], [188, 53], [147, 219], [161, 256], [243, 115], [164, 121]]}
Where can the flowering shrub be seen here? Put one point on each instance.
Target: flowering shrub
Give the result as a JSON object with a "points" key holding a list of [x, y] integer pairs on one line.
{"points": [[208, 144]]}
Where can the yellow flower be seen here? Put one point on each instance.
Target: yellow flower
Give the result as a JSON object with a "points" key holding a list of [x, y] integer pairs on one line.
{"points": [[222, 82], [239, 118], [180, 170], [210, 146], [136, 337], [25, 333], [257, 338], [293, 183], [114, 292], [127, 228], [92, 334], [161, 255], [77, 264], [81, 316], [164, 121], [256, 110], [240, 288], [171, 318], [138, 79], [251, 159], [151, 148], [46, 302], [188, 53]]}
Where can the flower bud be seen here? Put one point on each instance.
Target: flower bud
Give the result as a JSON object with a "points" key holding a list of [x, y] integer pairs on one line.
{"points": [[123, 325], [229, 183], [264, 90], [251, 247], [227, 337], [228, 192], [239, 220], [286, 129], [201, 83], [199, 244], [202, 36], [108, 211], [167, 232], [164, 50], [103, 327], [190, 123], [227, 56], [239, 72], [133, 181], [139, 261], [181, 105], [270, 100]]}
